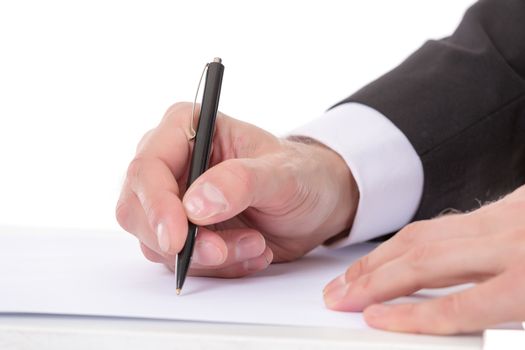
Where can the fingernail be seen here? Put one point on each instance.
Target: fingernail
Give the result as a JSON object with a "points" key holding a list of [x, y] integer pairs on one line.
{"points": [[163, 238], [337, 282], [207, 253], [334, 295], [248, 247], [204, 201], [268, 256]]}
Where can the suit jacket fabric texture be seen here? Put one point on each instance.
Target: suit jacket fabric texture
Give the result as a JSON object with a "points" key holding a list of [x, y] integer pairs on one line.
{"points": [[461, 103]]}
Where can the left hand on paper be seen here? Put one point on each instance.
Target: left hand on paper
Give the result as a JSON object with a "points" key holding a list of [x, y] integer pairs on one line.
{"points": [[485, 247]]}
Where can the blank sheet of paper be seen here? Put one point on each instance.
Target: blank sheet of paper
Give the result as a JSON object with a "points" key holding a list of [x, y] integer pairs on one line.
{"points": [[105, 274]]}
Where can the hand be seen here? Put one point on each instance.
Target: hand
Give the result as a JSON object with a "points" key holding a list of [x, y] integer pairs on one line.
{"points": [[486, 246], [263, 198]]}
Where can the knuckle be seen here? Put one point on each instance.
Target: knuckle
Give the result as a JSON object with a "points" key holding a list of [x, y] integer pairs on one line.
{"points": [[179, 106], [154, 206], [241, 174], [420, 254], [447, 315], [122, 214], [359, 268], [135, 168], [144, 140], [240, 146], [177, 109], [450, 307], [412, 313], [366, 281], [409, 234]]}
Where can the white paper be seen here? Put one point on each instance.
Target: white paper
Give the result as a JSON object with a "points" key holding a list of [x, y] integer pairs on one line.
{"points": [[105, 274], [508, 339]]}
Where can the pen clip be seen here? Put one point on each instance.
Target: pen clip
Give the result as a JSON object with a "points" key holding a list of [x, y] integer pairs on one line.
{"points": [[192, 133]]}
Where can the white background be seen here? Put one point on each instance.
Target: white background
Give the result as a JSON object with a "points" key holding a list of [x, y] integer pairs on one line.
{"points": [[80, 82]]}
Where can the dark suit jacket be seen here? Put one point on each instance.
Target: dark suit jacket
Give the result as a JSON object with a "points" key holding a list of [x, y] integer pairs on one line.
{"points": [[461, 103]]}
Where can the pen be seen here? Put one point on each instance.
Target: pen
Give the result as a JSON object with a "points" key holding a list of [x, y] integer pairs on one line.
{"points": [[201, 155]]}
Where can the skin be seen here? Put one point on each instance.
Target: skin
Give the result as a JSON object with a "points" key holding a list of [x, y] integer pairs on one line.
{"points": [[265, 199], [485, 247]]}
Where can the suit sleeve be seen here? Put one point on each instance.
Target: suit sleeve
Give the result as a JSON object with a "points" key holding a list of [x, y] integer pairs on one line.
{"points": [[460, 101]]}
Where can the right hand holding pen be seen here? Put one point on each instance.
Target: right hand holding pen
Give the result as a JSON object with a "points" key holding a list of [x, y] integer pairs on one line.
{"points": [[263, 198]]}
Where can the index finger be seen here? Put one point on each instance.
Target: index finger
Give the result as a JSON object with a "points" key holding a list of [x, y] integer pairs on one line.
{"points": [[484, 305], [149, 206], [413, 234], [168, 142]]}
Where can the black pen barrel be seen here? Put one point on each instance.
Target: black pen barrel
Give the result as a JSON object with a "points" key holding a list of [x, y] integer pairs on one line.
{"points": [[206, 124], [201, 155]]}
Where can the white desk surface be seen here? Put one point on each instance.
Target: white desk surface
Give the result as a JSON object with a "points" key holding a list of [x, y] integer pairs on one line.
{"points": [[55, 332]]}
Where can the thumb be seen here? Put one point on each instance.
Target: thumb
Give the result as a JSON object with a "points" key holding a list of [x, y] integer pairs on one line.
{"points": [[230, 187]]}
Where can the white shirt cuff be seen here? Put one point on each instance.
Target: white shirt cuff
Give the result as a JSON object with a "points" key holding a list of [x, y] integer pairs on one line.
{"points": [[386, 168]]}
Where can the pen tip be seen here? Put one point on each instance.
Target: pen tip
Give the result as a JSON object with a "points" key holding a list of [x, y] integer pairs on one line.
{"points": [[177, 291]]}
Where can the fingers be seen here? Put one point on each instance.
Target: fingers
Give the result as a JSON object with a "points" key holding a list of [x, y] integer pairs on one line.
{"points": [[230, 187], [131, 217], [150, 208], [492, 302], [228, 253], [431, 265], [169, 141], [238, 269], [217, 250], [158, 218], [485, 245], [152, 255], [414, 234]]}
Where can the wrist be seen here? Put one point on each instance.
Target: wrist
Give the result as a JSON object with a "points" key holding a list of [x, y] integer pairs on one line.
{"points": [[342, 188]]}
